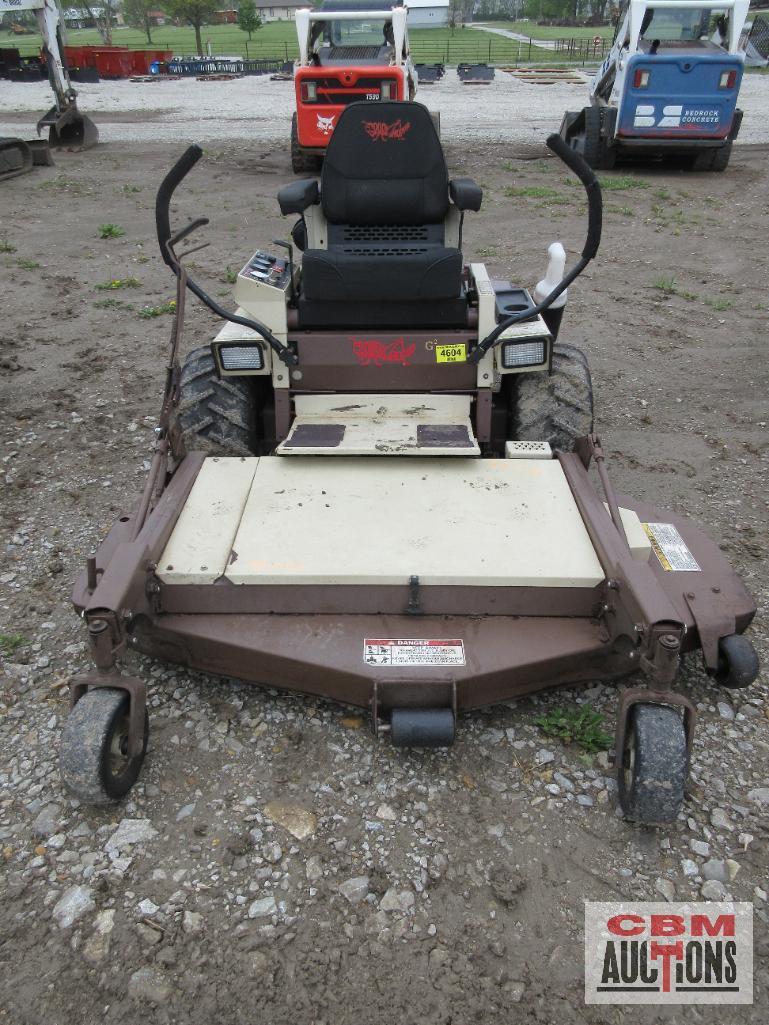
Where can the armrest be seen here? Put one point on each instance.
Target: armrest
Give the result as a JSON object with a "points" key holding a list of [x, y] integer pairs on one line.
{"points": [[296, 197], [465, 194]]}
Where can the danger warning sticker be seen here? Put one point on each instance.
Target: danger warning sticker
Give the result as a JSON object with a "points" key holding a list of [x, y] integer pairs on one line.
{"points": [[670, 548], [413, 651]]}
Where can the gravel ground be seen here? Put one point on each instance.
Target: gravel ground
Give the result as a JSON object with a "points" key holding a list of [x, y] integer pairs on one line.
{"points": [[258, 108], [274, 862]]}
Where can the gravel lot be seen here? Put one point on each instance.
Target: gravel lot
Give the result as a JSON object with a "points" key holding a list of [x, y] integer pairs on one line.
{"points": [[258, 108], [275, 863]]}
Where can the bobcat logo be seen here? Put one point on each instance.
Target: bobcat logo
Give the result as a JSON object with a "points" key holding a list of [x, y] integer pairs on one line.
{"points": [[370, 350], [325, 125], [381, 131]]}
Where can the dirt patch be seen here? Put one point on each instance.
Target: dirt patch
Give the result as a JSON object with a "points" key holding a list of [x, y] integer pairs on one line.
{"points": [[439, 887]]}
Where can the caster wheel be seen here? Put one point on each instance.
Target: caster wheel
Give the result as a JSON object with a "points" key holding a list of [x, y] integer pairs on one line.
{"points": [[422, 727], [654, 765], [737, 662], [93, 761]]}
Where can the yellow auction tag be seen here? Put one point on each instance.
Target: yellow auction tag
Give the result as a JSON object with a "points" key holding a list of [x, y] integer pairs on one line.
{"points": [[455, 353]]}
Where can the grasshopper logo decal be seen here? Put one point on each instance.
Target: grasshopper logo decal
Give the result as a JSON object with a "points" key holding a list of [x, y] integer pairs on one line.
{"points": [[381, 131], [371, 350]]}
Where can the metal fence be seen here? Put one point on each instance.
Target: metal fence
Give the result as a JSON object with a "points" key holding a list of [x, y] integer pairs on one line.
{"points": [[498, 50]]}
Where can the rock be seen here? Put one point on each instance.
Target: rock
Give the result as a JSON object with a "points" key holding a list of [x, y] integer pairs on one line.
{"points": [[700, 847], [666, 888], [563, 782], [437, 866], [148, 908], [720, 820], [544, 757], [725, 710], [149, 984], [397, 900], [732, 868], [715, 869], [507, 883], [712, 889], [192, 922], [553, 788], [355, 890], [130, 831], [47, 821], [96, 947], [73, 904], [386, 813], [265, 907], [298, 821], [745, 840], [272, 852], [185, 812], [314, 869], [689, 867], [585, 800], [149, 934], [437, 958], [759, 796]]}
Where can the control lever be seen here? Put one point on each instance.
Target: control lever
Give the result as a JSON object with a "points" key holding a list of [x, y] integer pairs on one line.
{"points": [[290, 248]]}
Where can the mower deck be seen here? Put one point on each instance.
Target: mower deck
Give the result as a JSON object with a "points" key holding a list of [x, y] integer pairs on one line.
{"points": [[352, 521]]}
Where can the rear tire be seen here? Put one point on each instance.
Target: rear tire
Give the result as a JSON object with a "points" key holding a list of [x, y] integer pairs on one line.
{"points": [[654, 765], [302, 162], [557, 407], [214, 415], [601, 155]]}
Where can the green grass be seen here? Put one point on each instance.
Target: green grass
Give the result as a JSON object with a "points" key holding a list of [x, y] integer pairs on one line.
{"points": [[665, 283], [532, 191], [9, 643], [112, 304], [116, 283], [581, 725], [720, 305], [28, 264], [278, 39], [110, 231], [157, 311], [622, 182], [7, 247], [534, 31]]}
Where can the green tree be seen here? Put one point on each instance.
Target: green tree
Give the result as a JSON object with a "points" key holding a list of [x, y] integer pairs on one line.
{"points": [[248, 20], [137, 14], [195, 12]]}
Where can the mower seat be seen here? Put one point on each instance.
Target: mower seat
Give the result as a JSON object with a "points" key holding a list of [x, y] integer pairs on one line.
{"points": [[385, 197]]}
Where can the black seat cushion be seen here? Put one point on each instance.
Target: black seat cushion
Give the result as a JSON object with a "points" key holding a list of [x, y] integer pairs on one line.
{"points": [[385, 165]]}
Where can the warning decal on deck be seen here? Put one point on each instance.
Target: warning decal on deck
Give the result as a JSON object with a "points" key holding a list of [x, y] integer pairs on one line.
{"points": [[413, 651], [670, 548]]}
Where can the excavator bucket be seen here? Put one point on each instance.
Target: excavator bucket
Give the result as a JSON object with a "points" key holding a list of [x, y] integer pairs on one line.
{"points": [[69, 129], [15, 158]]}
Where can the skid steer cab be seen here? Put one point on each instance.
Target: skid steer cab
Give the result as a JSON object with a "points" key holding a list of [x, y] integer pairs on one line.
{"points": [[373, 486], [349, 50], [668, 86]]}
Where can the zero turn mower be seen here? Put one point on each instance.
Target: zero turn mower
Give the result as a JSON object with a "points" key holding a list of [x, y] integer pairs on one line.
{"points": [[374, 486]]}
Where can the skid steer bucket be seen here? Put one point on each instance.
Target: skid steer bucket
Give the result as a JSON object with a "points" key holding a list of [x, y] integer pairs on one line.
{"points": [[69, 129]]}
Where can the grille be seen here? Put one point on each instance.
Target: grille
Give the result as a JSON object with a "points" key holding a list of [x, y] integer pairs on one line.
{"points": [[384, 250], [353, 53], [385, 233]]}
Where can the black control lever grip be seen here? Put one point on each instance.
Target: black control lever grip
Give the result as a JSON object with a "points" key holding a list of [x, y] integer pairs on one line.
{"points": [[576, 163], [168, 186]]}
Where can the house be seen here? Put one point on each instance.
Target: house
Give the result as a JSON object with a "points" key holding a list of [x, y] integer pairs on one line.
{"points": [[428, 13]]}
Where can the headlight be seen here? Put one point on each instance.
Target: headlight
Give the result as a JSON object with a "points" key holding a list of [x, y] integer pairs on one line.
{"points": [[241, 357], [523, 354]]}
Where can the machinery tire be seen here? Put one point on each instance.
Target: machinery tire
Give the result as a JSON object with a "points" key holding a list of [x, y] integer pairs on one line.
{"points": [[738, 663], [654, 765], [557, 407], [92, 763], [302, 162], [721, 157], [597, 152], [214, 415]]}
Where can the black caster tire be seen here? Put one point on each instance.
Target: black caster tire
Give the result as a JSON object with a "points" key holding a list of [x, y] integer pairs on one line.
{"points": [[653, 766], [422, 727], [93, 764], [738, 663]]}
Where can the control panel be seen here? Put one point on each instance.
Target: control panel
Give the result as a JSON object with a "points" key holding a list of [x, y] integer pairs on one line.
{"points": [[267, 269], [263, 288]]}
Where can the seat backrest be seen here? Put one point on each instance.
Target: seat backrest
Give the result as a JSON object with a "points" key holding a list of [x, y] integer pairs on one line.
{"points": [[385, 165]]}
